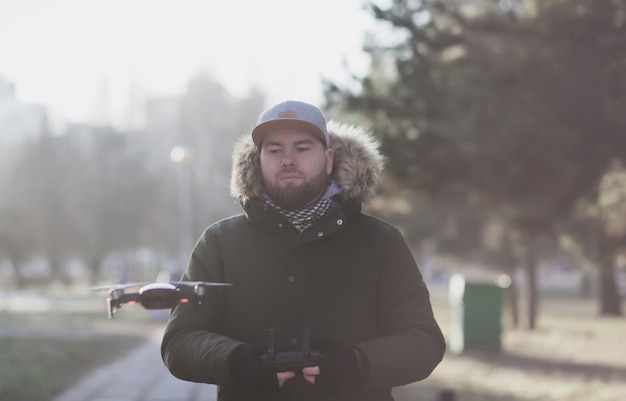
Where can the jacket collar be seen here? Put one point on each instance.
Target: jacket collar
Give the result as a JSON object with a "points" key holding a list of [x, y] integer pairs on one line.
{"points": [[263, 215]]}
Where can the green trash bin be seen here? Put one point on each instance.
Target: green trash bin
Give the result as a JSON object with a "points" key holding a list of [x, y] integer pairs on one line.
{"points": [[476, 307]]}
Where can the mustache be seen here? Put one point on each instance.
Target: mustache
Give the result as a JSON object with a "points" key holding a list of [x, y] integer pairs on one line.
{"points": [[290, 171]]}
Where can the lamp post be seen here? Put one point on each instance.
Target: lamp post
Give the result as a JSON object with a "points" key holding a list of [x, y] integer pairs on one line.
{"points": [[182, 156]]}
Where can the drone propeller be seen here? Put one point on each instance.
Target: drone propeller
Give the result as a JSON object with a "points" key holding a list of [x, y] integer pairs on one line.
{"points": [[176, 283], [117, 286], [202, 283]]}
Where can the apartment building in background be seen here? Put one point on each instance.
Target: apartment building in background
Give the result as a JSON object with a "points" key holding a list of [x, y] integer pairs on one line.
{"points": [[19, 121]]}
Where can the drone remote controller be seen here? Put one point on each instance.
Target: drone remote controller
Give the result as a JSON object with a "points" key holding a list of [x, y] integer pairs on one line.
{"points": [[290, 361]]}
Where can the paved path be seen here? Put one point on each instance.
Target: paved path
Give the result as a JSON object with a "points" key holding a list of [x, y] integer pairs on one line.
{"points": [[139, 376]]}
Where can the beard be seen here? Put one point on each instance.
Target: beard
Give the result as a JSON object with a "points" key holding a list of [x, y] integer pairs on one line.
{"points": [[297, 196]]}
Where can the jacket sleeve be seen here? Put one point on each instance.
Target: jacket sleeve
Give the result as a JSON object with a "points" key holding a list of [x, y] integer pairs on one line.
{"points": [[192, 347], [411, 343]]}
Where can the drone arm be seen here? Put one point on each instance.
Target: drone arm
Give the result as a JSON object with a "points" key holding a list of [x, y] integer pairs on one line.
{"points": [[117, 302], [129, 298]]}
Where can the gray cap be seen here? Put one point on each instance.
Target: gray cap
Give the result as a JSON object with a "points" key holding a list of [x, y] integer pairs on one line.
{"points": [[291, 114]]}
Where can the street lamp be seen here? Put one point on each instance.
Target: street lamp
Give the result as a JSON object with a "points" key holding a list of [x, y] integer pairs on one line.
{"points": [[182, 156]]}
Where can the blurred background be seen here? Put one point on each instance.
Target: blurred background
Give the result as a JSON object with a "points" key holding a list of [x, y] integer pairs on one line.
{"points": [[502, 122]]}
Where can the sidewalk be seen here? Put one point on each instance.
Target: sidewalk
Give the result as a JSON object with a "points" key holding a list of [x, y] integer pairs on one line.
{"points": [[139, 376]]}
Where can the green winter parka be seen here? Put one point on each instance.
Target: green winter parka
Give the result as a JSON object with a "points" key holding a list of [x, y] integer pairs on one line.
{"points": [[350, 278]]}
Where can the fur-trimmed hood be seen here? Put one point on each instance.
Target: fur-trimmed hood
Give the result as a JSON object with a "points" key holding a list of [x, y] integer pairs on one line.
{"points": [[356, 166]]}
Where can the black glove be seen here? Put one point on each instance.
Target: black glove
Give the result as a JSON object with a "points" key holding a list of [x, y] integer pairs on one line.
{"points": [[343, 367], [248, 371]]}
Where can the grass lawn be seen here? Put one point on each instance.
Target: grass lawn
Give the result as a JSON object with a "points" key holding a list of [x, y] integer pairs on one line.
{"points": [[39, 368], [573, 355], [44, 351]]}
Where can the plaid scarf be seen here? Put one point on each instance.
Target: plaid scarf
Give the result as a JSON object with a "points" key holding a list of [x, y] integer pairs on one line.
{"points": [[304, 218]]}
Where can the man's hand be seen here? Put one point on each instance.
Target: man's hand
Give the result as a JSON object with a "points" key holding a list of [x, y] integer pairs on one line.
{"points": [[309, 373], [284, 376], [344, 367], [247, 369]]}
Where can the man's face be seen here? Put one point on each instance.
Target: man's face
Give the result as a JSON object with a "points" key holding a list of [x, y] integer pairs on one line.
{"points": [[295, 166]]}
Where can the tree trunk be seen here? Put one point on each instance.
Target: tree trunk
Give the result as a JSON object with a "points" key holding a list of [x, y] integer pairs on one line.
{"points": [[531, 274], [533, 297], [512, 296], [94, 269], [15, 256], [20, 282], [610, 300], [512, 293]]}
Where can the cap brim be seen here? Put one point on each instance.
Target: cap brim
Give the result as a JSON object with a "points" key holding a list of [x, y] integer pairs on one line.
{"points": [[260, 131]]}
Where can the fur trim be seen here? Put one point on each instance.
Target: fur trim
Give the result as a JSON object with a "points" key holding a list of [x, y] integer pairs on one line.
{"points": [[356, 167]]}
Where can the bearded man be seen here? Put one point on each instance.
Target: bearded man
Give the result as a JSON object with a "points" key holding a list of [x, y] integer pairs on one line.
{"points": [[304, 258]]}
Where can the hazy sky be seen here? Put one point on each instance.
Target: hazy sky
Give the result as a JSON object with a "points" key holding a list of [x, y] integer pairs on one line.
{"points": [[64, 53]]}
